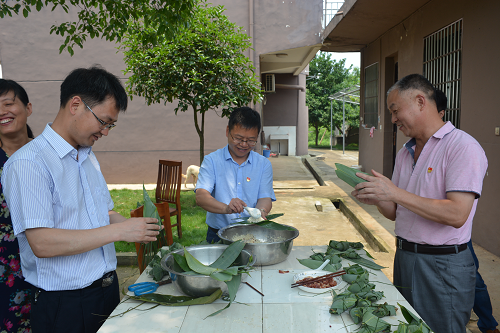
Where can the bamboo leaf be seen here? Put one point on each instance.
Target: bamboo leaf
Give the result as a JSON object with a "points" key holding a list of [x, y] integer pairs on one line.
{"points": [[366, 263], [221, 276], [409, 316], [170, 300], [197, 266], [229, 255], [231, 270], [348, 175], [181, 261], [232, 287], [313, 264]]}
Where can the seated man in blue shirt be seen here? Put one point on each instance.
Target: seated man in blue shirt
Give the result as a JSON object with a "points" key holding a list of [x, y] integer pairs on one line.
{"points": [[235, 176], [62, 211]]}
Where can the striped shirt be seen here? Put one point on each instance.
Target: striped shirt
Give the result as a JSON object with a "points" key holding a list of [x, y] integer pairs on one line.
{"points": [[49, 184]]}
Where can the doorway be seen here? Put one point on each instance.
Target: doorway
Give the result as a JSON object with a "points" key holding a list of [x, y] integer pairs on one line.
{"points": [[390, 129]]}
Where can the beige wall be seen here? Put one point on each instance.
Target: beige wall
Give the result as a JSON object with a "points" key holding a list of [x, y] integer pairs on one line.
{"points": [[479, 106], [145, 134]]}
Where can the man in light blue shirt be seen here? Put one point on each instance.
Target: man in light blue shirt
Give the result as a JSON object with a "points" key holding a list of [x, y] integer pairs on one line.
{"points": [[235, 176], [62, 211]]}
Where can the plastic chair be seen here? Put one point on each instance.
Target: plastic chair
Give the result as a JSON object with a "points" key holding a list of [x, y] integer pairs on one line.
{"points": [[168, 188], [163, 212]]}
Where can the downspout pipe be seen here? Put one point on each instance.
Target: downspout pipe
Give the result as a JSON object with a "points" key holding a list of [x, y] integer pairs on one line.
{"points": [[251, 33], [290, 86]]}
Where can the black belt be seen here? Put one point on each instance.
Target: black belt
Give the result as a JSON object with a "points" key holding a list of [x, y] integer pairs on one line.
{"points": [[105, 281], [213, 229], [405, 245]]}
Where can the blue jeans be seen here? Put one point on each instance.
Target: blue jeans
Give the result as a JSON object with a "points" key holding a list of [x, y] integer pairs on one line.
{"points": [[482, 302], [212, 236]]}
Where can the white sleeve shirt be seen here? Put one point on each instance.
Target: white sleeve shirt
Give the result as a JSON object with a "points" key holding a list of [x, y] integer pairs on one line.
{"points": [[49, 184]]}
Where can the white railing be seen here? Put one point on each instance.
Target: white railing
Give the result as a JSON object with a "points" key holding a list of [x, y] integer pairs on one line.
{"points": [[330, 8]]}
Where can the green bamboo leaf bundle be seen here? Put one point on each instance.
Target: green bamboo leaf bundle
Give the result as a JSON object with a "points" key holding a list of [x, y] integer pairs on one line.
{"points": [[348, 175], [372, 323], [413, 325], [150, 250], [340, 305]]}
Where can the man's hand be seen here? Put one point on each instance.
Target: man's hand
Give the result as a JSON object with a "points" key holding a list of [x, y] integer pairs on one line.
{"points": [[377, 188], [51, 242], [235, 206], [140, 229]]}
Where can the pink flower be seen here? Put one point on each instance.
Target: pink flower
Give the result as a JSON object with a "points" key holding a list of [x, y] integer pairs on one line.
{"points": [[14, 263], [26, 308], [10, 280], [7, 324], [14, 308]]}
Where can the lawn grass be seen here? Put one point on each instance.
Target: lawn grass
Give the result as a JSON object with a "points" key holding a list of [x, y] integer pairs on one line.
{"points": [[325, 143], [194, 229]]}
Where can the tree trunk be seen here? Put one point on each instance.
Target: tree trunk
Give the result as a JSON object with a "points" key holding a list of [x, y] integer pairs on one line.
{"points": [[316, 130], [200, 131], [202, 138]]}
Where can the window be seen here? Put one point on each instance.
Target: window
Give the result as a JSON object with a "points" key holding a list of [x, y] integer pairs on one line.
{"points": [[442, 66], [371, 96]]}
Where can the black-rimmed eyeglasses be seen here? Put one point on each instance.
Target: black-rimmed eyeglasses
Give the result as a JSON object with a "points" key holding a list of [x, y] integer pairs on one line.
{"points": [[251, 143], [104, 125]]}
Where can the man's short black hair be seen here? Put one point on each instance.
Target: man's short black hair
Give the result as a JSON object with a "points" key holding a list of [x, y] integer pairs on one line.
{"points": [[441, 100], [417, 82], [246, 117], [93, 85]]}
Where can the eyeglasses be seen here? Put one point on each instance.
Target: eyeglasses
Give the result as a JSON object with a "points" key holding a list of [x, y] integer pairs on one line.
{"points": [[250, 143], [104, 125]]}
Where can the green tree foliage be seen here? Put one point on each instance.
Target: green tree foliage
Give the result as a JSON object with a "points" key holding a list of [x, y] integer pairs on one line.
{"points": [[202, 67], [108, 19], [326, 77]]}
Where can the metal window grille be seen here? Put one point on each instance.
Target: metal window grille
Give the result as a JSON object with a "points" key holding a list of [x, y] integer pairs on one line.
{"points": [[443, 64], [330, 8], [370, 118]]}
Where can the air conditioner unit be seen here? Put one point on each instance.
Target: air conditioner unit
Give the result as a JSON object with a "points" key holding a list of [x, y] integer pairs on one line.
{"points": [[269, 83]]}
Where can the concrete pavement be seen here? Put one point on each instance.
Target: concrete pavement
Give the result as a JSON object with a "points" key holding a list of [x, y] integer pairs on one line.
{"points": [[305, 185]]}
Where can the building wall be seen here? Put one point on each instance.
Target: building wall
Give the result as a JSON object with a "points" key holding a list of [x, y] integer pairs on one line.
{"points": [[144, 134], [479, 107]]}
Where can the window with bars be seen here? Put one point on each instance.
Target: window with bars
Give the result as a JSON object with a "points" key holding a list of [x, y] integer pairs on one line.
{"points": [[370, 118], [442, 66]]}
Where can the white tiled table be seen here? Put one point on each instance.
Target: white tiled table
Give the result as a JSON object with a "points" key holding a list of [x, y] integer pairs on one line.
{"points": [[282, 309]]}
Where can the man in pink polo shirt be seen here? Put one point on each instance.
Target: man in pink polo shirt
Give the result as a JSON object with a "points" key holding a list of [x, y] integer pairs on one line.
{"points": [[433, 194]]}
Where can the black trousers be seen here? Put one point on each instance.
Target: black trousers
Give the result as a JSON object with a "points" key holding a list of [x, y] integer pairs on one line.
{"points": [[75, 311]]}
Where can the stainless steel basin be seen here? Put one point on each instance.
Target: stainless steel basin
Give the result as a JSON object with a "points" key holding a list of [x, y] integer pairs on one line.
{"points": [[270, 251], [201, 285]]}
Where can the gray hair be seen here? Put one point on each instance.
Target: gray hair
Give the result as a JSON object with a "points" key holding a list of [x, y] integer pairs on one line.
{"points": [[414, 82]]}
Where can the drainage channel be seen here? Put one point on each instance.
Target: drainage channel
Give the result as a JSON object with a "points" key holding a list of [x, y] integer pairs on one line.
{"points": [[313, 172], [374, 241]]}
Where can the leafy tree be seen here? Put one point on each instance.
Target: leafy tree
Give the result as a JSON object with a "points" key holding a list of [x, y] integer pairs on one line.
{"points": [[108, 19], [326, 77], [203, 67]]}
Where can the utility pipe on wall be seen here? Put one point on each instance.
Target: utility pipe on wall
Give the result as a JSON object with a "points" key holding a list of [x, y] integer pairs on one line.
{"points": [[290, 86], [250, 32]]}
